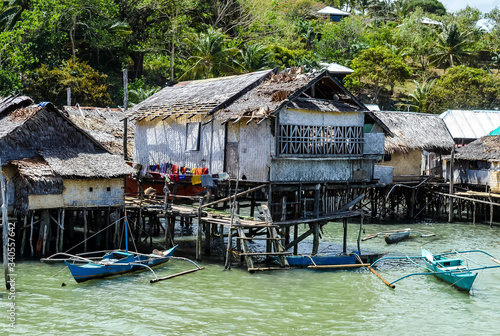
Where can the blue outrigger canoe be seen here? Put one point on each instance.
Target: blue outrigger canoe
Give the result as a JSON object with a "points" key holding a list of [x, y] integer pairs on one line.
{"points": [[455, 271], [325, 261], [117, 262]]}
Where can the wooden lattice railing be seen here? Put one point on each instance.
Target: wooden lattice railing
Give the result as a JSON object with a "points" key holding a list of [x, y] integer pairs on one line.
{"points": [[303, 140]]}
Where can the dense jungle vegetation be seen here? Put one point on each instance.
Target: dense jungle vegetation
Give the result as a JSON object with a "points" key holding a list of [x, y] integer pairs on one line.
{"points": [[400, 60]]}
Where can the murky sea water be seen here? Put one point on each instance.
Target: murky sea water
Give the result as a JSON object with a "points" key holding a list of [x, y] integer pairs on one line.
{"points": [[296, 302]]}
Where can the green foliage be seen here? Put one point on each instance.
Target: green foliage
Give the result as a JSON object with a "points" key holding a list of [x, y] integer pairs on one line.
{"points": [[376, 68], [451, 46], [254, 57], [428, 6], [466, 88], [210, 55], [88, 87], [343, 41], [420, 98]]}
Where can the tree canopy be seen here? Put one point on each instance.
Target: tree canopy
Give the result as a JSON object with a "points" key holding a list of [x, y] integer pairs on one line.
{"points": [[49, 45]]}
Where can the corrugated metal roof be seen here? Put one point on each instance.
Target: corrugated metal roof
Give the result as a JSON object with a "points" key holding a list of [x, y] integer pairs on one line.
{"points": [[471, 124], [334, 11]]}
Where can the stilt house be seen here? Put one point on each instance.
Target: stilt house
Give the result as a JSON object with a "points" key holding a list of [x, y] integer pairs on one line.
{"points": [[477, 165], [419, 140], [53, 168], [293, 132]]}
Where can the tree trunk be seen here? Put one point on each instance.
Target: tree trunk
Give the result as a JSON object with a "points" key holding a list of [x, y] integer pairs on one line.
{"points": [[138, 59]]}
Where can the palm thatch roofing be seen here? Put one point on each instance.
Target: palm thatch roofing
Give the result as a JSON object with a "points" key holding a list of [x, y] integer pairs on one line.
{"points": [[254, 96], [196, 97], [45, 145], [486, 148], [413, 130], [103, 124], [38, 176]]}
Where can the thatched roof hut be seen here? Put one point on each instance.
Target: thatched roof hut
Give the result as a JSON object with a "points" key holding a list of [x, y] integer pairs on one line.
{"points": [[486, 148], [41, 149], [103, 124], [415, 131]]}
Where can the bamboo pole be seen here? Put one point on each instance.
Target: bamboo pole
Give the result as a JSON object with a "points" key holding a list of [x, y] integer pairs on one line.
{"points": [[5, 223], [23, 242], [85, 232], [61, 238], [199, 233], [385, 281], [31, 234], [450, 205]]}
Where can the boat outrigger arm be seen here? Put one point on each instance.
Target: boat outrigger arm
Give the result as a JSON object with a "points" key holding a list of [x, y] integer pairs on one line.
{"points": [[430, 271]]}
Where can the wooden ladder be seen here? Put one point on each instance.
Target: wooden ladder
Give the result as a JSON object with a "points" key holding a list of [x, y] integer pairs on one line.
{"points": [[272, 236]]}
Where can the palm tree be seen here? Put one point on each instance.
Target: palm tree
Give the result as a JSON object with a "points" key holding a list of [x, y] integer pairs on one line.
{"points": [[11, 12], [210, 55], [255, 57], [451, 44], [420, 97]]}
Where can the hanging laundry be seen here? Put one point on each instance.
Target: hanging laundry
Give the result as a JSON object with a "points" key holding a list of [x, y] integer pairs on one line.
{"points": [[207, 181], [196, 179], [204, 170], [198, 171], [183, 170], [175, 169]]}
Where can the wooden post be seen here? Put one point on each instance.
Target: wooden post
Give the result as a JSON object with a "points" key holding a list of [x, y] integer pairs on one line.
{"points": [[344, 245], [5, 223], [85, 228], [491, 211], [315, 238], [199, 233], [23, 243], [450, 206], [58, 229], [68, 96], [317, 200], [361, 220], [45, 223], [474, 213], [61, 238], [31, 234]]}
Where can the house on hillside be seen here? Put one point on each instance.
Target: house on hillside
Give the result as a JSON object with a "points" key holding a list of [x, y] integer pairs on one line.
{"points": [[54, 167], [477, 165], [417, 145], [336, 70], [289, 130], [332, 14], [466, 126]]}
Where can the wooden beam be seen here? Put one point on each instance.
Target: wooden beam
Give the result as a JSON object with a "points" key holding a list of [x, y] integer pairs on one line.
{"points": [[234, 196]]}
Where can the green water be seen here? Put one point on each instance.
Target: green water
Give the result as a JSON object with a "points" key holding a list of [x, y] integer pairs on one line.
{"points": [[296, 302]]}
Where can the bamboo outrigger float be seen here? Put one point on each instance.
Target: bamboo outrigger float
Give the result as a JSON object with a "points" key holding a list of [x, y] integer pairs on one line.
{"points": [[456, 270]]}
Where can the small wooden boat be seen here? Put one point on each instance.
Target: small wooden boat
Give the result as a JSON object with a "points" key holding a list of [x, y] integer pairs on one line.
{"points": [[101, 264], [391, 238], [395, 236], [452, 270], [455, 271], [116, 262]]}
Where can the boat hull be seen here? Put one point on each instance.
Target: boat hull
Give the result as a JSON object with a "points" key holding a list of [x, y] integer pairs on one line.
{"points": [[304, 261], [392, 238]]}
